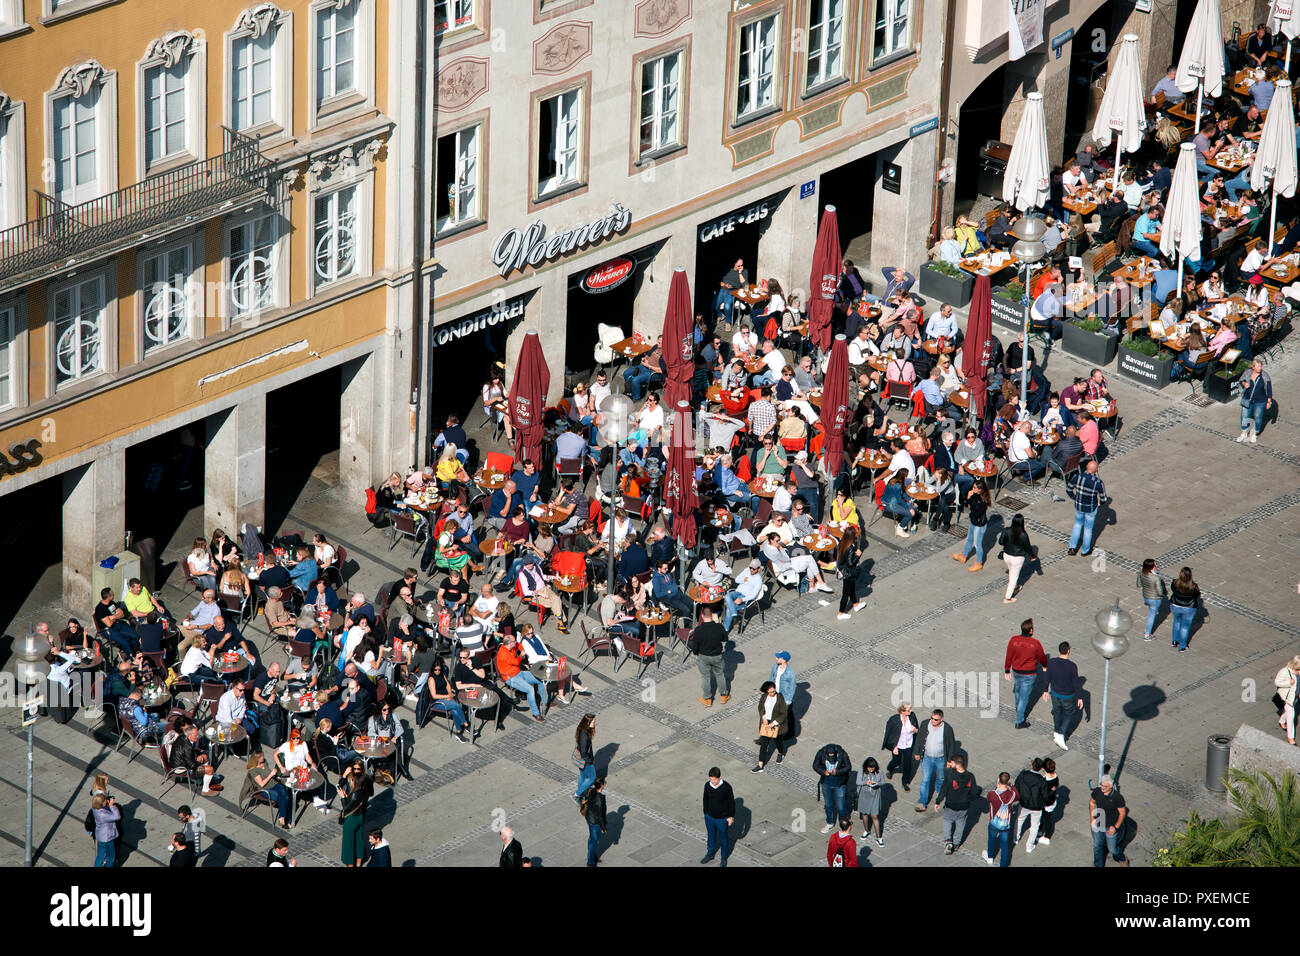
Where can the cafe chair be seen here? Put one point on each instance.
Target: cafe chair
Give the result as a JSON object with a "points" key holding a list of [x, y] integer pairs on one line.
{"points": [[1193, 371], [896, 391], [236, 605], [680, 636], [644, 651], [257, 798], [412, 526], [601, 643], [748, 610], [606, 336], [1071, 467], [209, 694], [173, 775]]}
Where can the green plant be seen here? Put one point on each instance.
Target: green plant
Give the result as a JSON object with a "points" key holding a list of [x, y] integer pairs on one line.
{"points": [[1092, 324], [1142, 346], [1235, 370], [1265, 832], [948, 269], [1015, 289]]}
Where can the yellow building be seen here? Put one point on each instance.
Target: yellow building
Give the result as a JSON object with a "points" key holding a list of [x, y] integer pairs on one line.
{"points": [[195, 259]]}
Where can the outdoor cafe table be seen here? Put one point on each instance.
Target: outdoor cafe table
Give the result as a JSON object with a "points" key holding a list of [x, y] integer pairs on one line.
{"points": [[486, 699], [765, 486], [872, 460], [630, 348], [755, 366], [571, 585], [490, 480], [290, 780], [296, 704], [1047, 437], [714, 394], [704, 597], [498, 547], [156, 697], [234, 667], [960, 398], [89, 660], [233, 733], [1231, 161], [1272, 277], [374, 748], [918, 492], [900, 430], [988, 471], [749, 295], [549, 514], [974, 264], [1104, 415], [1081, 306], [654, 618], [1084, 206], [878, 362], [818, 543], [932, 346], [814, 397], [425, 502], [1139, 273]]}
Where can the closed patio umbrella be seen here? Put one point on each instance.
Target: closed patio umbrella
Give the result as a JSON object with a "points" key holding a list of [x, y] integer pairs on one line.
{"points": [[680, 492], [1028, 177], [824, 280], [528, 391], [977, 347], [678, 341], [1275, 160], [1122, 116], [1200, 64], [1284, 18], [835, 407], [1180, 232]]}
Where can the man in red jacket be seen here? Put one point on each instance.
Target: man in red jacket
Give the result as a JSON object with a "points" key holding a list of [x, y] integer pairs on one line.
{"points": [[1024, 657], [842, 850]]}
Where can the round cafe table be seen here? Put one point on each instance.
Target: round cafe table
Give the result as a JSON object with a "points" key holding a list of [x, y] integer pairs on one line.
{"points": [[878, 362], [551, 515], [932, 346], [234, 667], [755, 366], [1110, 416], [374, 748], [815, 397], [714, 394], [1047, 438], [750, 295], [89, 660], [157, 698], [234, 734], [920, 492], [297, 704], [425, 504], [315, 779], [486, 699], [727, 524], [818, 544], [873, 460], [491, 480], [654, 618], [571, 585], [903, 432], [764, 489], [960, 398], [988, 471], [703, 598]]}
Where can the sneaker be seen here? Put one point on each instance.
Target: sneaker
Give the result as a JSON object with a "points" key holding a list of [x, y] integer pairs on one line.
{"points": [[1059, 740], [822, 602], [317, 802], [1148, 637], [987, 859], [415, 698], [461, 737], [828, 828], [919, 808], [1023, 725], [898, 530], [708, 859], [724, 698], [859, 606], [843, 617], [880, 841], [1241, 438], [1044, 841], [1029, 848], [757, 768], [825, 588], [706, 701], [949, 849], [1253, 441], [866, 835], [960, 557]]}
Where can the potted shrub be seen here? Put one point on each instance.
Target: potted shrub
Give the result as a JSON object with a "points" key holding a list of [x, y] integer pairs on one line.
{"points": [[1008, 307], [1145, 361], [1221, 383], [1087, 339], [945, 282]]}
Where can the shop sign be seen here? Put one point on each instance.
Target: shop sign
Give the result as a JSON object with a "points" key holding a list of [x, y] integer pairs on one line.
{"points": [[611, 275], [741, 217], [517, 248], [22, 455], [471, 324]]}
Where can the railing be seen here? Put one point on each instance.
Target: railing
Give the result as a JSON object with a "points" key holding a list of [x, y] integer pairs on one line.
{"points": [[118, 220]]}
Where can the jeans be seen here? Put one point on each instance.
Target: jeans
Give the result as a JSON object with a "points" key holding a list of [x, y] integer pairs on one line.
{"points": [[1153, 611], [637, 378], [105, 853], [833, 799], [716, 827], [975, 542], [904, 514], [455, 709], [812, 494], [526, 683], [1030, 468], [1253, 413], [954, 825], [1183, 617], [1023, 689], [1000, 841], [679, 602], [280, 795], [1081, 534], [964, 482], [586, 777], [1147, 248], [931, 778], [1103, 841], [593, 841], [1063, 711], [734, 601], [770, 377], [723, 302], [711, 672], [1236, 184], [123, 634]]}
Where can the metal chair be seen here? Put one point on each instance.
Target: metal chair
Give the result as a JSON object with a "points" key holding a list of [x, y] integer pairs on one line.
{"points": [[411, 526], [595, 645], [209, 694], [748, 610], [643, 651], [174, 775]]}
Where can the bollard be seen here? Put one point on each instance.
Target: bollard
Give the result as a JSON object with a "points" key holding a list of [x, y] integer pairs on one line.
{"points": [[1216, 761]]}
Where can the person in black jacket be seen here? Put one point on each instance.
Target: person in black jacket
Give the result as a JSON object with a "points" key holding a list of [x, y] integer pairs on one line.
{"points": [[278, 855], [932, 749], [959, 790], [1033, 797], [355, 788], [833, 766], [899, 745], [593, 808], [719, 814], [512, 851], [380, 853], [183, 854], [857, 575]]}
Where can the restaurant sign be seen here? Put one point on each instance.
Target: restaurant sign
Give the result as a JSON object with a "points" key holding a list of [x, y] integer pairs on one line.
{"points": [[608, 276], [517, 248], [511, 309], [22, 455], [741, 217]]}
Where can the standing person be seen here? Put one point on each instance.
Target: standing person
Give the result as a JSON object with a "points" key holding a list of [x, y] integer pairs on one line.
{"points": [[719, 814], [1107, 810], [182, 853], [841, 849], [772, 723], [1065, 691], [1016, 547], [512, 851], [355, 790], [380, 853], [584, 757], [106, 815], [1256, 398], [978, 500], [1285, 682], [707, 641], [1023, 658], [958, 792], [1154, 592], [1050, 780], [783, 676], [1033, 798], [593, 809], [853, 593], [1002, 798], [900, 731], [1184, 600], [833, 767], [1087, 492], [932, 748], [278, 855], [869, 779]]}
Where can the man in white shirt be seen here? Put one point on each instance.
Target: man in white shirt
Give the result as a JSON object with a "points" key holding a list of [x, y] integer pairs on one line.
{"points": [[783, 498], [902, 461], [862, 348], [749, 585], [1073, 180], [780, 527], [775, 362], [744, 344], [710, 571], [232, 706], [943, 323], [599, 389], [1021, 454], [484, 608]]}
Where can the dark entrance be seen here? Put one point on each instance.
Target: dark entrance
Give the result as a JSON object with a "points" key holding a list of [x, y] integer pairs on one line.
{"points": [[851, 189], [164, 481], [979, 123], [302, 439], [598, 295], [720, 241], [464, 352], [31, 533]]}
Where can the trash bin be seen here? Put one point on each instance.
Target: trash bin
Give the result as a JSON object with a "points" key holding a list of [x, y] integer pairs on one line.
{"points": [[1217, 747]]}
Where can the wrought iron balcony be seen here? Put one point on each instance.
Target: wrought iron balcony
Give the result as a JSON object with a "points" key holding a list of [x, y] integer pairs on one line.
{"points": [[64, 235]]}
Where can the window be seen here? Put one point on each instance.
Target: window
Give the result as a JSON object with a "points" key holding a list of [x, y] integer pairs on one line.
{"points": [[558, 156], [251, 103], [165, 108], [78, 330], [458, 178], [661, 89], [756, 80], [252, 265], [336, 234], [75, 147], [8, 330], [335, 50], [452, 14], [893, 29], [825, 41], [167, 300]]}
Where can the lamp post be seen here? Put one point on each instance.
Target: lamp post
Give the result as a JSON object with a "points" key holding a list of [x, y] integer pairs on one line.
{"points": [[1029, 249], [30, 669], [1110, 642], [616, 412]]}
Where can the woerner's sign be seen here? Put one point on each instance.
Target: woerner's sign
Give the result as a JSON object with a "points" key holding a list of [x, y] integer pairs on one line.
{"points": [[471, 324], [517, 248]]}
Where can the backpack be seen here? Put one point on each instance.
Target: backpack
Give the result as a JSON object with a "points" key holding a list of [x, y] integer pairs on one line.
{"points": [[1002, 819]]}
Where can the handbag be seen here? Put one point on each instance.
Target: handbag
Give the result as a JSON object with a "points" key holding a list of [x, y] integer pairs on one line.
{"points": [[768, 730], [578, 759]]}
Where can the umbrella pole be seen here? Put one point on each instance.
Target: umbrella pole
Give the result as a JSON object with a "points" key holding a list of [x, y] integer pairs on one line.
{"points": [[1119, 151], [1024, 364], [1200, 92], [1272, 227], [1286, 65]]}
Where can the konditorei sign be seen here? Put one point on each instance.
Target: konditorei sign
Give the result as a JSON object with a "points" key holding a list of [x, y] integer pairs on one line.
{"points": [[470, 324], [609, 275], [517, 248]]}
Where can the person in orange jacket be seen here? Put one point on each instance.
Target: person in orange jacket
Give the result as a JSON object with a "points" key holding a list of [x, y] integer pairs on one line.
{"points": [[511, 666]]}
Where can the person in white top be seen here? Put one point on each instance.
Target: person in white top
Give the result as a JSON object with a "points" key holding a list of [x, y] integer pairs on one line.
{"points": [[324, 552], [942, 322], [199, 562], [292, 754], [1212, 288], [232, 706], [801, 564], [902, 461], [599, 389], [651, 419], [1021, 454], [782, 528], [775, 361], [198, 661], [351, 639], [744, 343], [783, 498], [1073, 180], [710, 571], [862, 348], [484, 608]]}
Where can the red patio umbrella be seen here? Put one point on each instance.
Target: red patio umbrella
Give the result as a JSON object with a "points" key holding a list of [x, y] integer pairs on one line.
{"points": [[532, 379], [824, 280], [977, 347], [835, 407], [680, 492], [678, 341]]}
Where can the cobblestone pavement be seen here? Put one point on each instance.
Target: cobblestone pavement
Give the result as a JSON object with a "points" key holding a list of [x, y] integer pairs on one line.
{"points": [[1183, 492]]}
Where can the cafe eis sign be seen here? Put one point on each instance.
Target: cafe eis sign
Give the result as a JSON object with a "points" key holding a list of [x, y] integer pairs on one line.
{"points": [[517, 248]]}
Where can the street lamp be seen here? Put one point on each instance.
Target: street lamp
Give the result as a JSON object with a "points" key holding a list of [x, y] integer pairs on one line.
{"points": [[616, 414], [30, 669], [1029, 249], [1110, 642]]}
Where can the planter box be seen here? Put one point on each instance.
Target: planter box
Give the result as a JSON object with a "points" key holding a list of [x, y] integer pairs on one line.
{"points": [[1094, 348], [1149, 370], [955, 291], [1222, 389], [1009, 315]]}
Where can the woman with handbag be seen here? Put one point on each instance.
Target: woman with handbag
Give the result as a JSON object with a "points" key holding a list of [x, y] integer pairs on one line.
{"points": [[1016, 548], [584, 757], [355, 790], [1285, 682], [773, 720], [1184, 600]]}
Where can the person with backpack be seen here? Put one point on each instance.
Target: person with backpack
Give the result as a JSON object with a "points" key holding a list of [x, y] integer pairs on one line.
{"points": [[833, 767], [1002, 800], [592, 808], [842, 850], [958, 792], [1033, 799]]}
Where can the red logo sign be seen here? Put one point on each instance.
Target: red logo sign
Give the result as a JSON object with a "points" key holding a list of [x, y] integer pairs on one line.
{"points": [[608, 276], [830, 283]]}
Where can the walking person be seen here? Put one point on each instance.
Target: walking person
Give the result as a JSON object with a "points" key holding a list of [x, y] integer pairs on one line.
{"points": [[355, 790], [832, 766], [932, 749], [1033, 798], [958, 792], [978, 500], [512, 851], [592, 808], [853, 592], [1050, 781], [1108, 811], [1016, 548], [1184, 601], [772, 723], [869, 779], [1002, 799], [783, 676], [1286, 682], [379, 852], [900, 731], [1065, 692], [584, 757], [707, 642], [107, 816], [719, 814], [1256, 398], [1154, 592], [842, 849], [1020, 665], [1087, 491]]}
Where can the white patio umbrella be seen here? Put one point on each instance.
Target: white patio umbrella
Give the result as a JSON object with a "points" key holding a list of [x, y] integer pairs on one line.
{"points": [[1028, 177], [1123, 113], [1275, 160], [1285, 19], [1180, 232], [1200, 64]]}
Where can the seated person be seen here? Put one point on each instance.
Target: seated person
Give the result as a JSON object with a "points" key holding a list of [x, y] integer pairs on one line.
{"points": [[801, 565], [224, 636], [151, 633], [779, 526], [617, 619], [279, 622], [747, 590], [139, 602], [534, 588], [895, 502], [112, 621], [304, 570], [1021, 454], [144, 725], [437, 694], [190, 753], [666, 591], [196, 665], [261, 780], [710, 571], [535, 649]]}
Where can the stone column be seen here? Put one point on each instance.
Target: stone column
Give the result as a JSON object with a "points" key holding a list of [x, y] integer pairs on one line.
{"points": [[1044, 73], [900, 226], [547, 312], [1156, 41], [785, 250], [359, 412], [652, 296], [234, 480], [94, 522]]}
